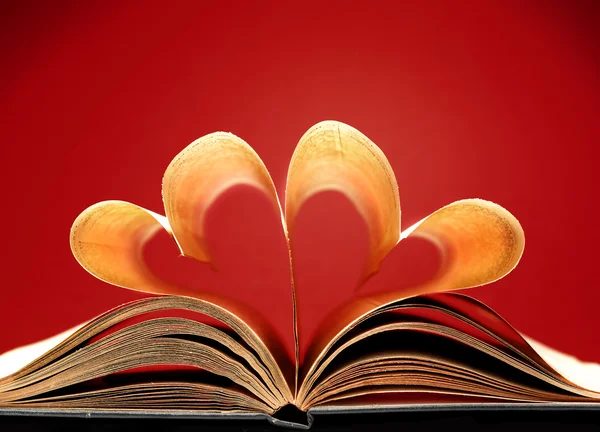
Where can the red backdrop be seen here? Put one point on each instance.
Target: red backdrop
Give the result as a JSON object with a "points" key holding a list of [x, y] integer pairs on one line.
{"points": [[496, 100]]}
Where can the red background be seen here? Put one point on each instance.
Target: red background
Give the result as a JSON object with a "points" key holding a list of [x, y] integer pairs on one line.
{"points": [[497, 100]]}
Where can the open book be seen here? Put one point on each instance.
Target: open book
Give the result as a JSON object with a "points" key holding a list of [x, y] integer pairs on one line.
{"points": [[190, 350]]}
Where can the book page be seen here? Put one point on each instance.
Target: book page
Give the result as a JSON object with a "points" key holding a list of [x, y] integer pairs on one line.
{"points": [[409, 352], [107, 238], [583, 374], [149, 333], [453, 316], [478, 241], [13, 360]]}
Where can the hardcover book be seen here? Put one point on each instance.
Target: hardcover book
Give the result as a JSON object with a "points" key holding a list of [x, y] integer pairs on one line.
{"points": [[190, 351]]}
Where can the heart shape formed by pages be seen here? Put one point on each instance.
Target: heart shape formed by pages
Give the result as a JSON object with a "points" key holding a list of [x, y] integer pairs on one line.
{"points": [[479, 241]]}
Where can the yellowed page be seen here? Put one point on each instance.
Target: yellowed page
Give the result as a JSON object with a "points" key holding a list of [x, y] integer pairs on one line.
{"points": [[314, 384], [334, 156], [153, 342], [108, 237], [107, 240], [57, 367], [198, 175], [479, 241]]}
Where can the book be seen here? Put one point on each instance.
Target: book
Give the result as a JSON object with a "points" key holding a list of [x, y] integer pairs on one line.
{"points": [[185, 350]]}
